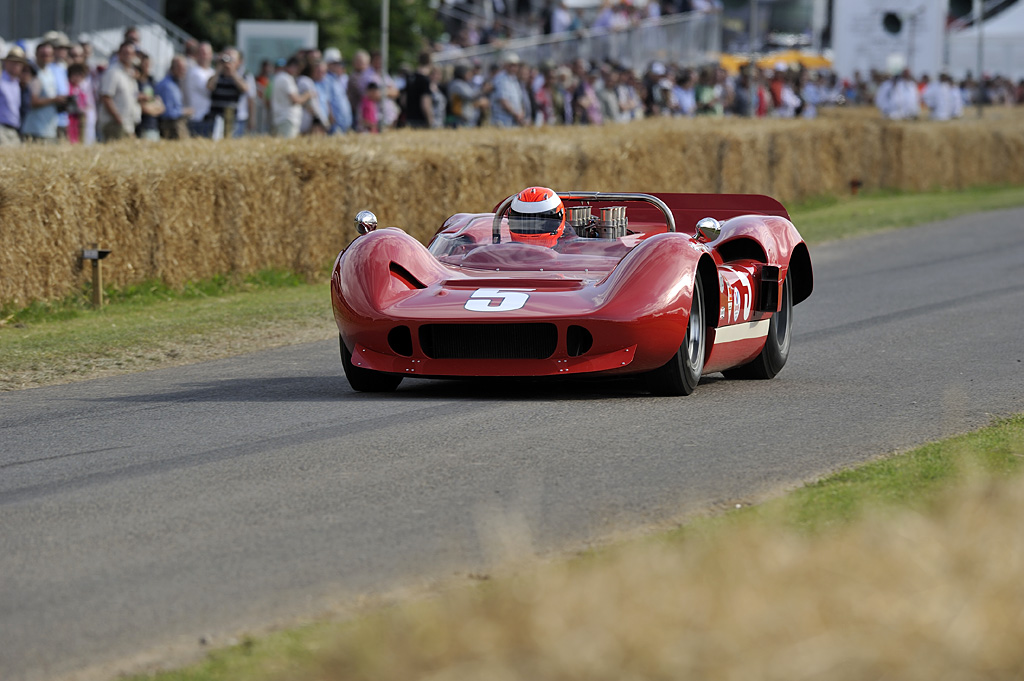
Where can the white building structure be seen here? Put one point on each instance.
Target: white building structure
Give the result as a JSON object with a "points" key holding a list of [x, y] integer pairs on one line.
{"points": [[889, 35], [1003, 46]]}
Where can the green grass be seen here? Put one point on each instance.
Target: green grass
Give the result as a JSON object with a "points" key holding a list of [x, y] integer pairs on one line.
{"points": [[253, 658], [151, 325], [828, 218], [148, 293], [911, 480]]}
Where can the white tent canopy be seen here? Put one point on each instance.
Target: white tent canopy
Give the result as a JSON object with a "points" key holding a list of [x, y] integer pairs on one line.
{"points": [[1003, 40]]}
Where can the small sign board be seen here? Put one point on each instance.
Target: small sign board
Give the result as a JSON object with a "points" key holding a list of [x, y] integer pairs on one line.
{"points": [[95, 253], [269, 41]]}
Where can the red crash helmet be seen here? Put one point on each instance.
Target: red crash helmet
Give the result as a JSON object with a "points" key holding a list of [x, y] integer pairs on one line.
{"points": [[536, 216]]}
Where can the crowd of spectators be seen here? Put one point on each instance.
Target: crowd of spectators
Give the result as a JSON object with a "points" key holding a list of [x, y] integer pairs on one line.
{"points": [[64, 94]]}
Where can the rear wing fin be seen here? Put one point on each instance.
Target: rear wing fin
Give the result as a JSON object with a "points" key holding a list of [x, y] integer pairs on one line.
{"points": [[689, 208]]}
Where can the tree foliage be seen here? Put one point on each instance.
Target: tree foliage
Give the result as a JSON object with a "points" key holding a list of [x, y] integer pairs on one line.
{"points": [[345, 24]]}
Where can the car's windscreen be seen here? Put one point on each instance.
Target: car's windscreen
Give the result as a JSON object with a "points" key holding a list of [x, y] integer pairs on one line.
{"points": [[467, 242]]}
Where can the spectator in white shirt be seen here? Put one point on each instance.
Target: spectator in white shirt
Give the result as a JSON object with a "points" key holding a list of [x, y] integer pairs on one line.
{"points": [[684, 94], [197, 93], [286, 103], [561, 18], [942, 99], [119, 97]]}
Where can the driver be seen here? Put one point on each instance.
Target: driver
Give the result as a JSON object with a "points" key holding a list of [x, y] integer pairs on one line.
{"points": [[537, 217]]}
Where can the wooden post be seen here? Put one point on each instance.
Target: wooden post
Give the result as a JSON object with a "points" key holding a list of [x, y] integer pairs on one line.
{"points": [[96, 254], [753, 29], [97, 281], [979, 20]]}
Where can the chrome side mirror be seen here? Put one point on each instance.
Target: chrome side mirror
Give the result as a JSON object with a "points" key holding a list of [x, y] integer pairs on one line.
{"points": [[366, 222], [708, 229]]}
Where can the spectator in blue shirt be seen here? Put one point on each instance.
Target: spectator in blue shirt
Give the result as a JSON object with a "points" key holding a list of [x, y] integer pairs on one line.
{"points": [[174, 119], [39, 123], [507, 98], [10, 96], [60, 74], [325, 93], [340, 106]]}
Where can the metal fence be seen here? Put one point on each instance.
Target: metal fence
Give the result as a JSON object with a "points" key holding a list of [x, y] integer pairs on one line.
{"points": [[687, 39], [20, 19], [93, 16], [102, 22], [23, 19]]}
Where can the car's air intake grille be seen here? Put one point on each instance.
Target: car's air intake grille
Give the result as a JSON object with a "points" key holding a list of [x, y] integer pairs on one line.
{"points": [[488, 341]]}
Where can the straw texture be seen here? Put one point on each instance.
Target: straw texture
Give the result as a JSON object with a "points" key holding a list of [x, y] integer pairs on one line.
{"points": [[191, 210]]}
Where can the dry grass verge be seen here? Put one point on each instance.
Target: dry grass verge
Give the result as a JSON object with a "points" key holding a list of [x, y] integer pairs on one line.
{"points": [[153, 333], [934, 595], [192, 210]]}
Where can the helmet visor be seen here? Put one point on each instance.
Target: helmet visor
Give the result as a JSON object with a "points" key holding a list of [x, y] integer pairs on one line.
{"points": [[547, 222]]}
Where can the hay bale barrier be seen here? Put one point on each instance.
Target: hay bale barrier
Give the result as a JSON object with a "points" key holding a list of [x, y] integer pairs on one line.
{"points": [[186, 211]]}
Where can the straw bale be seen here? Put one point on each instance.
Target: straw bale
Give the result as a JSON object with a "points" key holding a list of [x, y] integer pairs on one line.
{"points": [[192, 210]]}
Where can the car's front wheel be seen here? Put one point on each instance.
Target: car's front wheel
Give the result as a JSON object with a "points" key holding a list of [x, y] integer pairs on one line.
{"points": [[366, 380], [681, 374], [776, 346]]}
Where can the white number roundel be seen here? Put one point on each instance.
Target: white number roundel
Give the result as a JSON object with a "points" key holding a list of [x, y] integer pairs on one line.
{"points": [[497, 299]]}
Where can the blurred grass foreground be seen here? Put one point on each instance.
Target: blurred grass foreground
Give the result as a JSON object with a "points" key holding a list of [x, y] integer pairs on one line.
{"points": [[933, 591], [926, 586], [922, 596]]}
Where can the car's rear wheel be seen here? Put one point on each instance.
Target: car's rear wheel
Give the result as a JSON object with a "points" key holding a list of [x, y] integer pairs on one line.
{"points": [[366, 380], [681, 374], [776, 346]]}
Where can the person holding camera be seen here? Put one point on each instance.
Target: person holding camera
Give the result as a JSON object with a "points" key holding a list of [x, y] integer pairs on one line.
{"points": [[226, 86]]}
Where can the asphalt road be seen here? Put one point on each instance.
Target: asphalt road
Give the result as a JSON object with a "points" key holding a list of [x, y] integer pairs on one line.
{"points": [[142, 513]]}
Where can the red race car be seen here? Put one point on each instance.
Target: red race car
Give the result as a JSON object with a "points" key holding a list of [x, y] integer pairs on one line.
{"points": [[665, 286]]}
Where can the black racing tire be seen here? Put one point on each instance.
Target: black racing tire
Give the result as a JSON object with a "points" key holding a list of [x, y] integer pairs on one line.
{"points": [[366, 380], [681, 374], [776, 346]]}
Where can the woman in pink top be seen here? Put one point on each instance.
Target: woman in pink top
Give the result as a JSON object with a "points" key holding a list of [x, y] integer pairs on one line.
{"points": [[369, 114], [77, 103]]}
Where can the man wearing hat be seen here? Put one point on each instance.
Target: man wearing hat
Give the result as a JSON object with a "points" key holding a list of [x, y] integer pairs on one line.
{"points": [[10, 96], [341, 107], [59, 67], [507, 99]]}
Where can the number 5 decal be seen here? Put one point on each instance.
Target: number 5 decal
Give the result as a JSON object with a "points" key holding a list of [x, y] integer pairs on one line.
{"points": [[484, 299]]}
